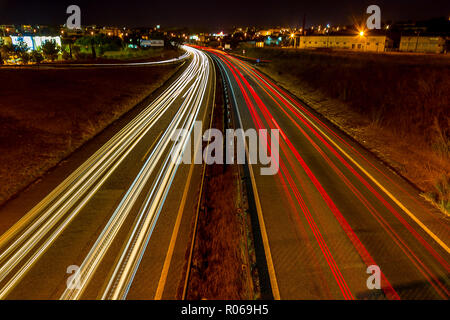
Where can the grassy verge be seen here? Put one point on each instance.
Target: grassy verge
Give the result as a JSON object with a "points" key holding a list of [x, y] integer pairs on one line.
{"points": [[142, 54], [47, 114], [223, 261], [395, 105]]}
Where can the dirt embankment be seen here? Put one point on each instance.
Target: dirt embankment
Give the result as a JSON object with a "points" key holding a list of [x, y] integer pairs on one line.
{"points": [[46, 114], [396, 105], [223, 260]]}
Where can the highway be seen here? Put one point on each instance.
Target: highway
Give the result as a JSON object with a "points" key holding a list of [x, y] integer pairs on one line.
{"points": [[333, 210], [124, 206], [114, 220]]}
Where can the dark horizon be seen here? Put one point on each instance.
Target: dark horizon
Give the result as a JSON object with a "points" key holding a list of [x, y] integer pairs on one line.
{"points": [[214, 15]]}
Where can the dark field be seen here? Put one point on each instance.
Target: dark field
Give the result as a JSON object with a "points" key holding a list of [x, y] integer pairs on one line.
{"points": [[47, 114], [395, 103]]}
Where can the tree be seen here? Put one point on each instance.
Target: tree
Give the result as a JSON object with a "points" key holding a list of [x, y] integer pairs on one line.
{"points": [[25, 57], [176, 41], [50, 50], [100, 43], [94, 55], [6, 51], [36, 56], [66, 55], [1, 56], [68, 42], [21, 50]]}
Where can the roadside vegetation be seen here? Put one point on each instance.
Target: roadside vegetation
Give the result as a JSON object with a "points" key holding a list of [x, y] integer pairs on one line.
{"points": [[396, 105], [84, 49], [223, 257]]}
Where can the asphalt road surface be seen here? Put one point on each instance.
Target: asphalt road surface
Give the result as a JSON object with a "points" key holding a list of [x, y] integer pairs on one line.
{"points": [[113, 221], [333, 211], [117, 226]]}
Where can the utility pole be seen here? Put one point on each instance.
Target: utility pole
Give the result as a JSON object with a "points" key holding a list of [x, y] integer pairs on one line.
{"points": [[304, 24], [417, 40]]}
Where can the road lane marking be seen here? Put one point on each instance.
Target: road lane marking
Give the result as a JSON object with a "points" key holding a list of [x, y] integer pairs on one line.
{"points": [[393, 198], [173, 239], [125, 270], [103, 242], [89, 177], [374, 180], [265, 239], [151, 147]]}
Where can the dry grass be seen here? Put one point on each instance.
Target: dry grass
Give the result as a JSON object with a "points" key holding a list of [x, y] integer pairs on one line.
{"points": [[217, 269], [397, 104], [46, 114], [128, 55], [221, 259]]}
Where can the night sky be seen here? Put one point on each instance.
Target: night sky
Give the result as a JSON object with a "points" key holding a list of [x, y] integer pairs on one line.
{"points": [[215, 14]]}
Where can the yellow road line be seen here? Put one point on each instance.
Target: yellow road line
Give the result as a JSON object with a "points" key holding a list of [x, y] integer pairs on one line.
{"points": [[393, 198], [265, 238], [390, 195], [151, 147], [173, 239], [191, 251]]}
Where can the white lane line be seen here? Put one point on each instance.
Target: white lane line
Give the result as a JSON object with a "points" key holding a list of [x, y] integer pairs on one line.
{"points": [[103, 242], [72, 189]]}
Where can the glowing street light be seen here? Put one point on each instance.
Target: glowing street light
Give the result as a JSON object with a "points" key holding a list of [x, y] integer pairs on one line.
{"points": [[361, 33]]}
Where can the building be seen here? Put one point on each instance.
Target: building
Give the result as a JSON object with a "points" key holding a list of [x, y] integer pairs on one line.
{"points": [[34, 42], [422, 44], [349, 42], [111, 31], [7, 29], [152, 43], [269, 32]]}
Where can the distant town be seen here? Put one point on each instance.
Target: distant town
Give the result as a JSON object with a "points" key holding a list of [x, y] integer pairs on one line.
{"points": [[25, 44]]}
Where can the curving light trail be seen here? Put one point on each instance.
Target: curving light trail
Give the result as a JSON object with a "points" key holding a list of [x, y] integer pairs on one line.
{"points": [[28, 240], [136, 243]]}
